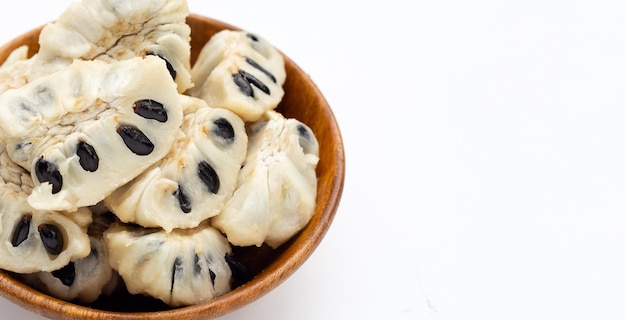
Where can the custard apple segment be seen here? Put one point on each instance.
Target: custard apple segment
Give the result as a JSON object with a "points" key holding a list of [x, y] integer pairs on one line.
{"points": [[85, 279], [91, 111], [35, 240], [239, 71], [194, 181], [183, 267], [277, 186], [112, 30]]}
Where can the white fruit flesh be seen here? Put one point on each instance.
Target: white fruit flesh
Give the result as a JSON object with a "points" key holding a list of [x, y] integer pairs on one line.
{"points": [[30, 255], [15, 69], [182, 267], [92, 276], [154, 198], [277, 185], [224, 56], [112, 30], [88, 102]]}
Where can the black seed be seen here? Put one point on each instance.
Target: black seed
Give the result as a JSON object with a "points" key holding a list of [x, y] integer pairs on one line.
{"points": [[306, 139], [303, 132], [209, 261], [135, 140], [52, 238], [67, 274], [183, 201], [238, 269], [197, 268], [252, 37], [209, 176], [245, 81], [260, 68], [212, 275], [21, 145], [243, 85], [177, 270], [150, 109], [169, 66], [21, 230], [255, 82], [223, 129], [48, 172], [87, 156]]}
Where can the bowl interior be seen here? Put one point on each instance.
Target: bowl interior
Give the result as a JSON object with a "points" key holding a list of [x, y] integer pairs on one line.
{"points": [[302, 101]]}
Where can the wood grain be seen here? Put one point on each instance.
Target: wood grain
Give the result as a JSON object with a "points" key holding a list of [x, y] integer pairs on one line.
{"points": [[302, 101]]}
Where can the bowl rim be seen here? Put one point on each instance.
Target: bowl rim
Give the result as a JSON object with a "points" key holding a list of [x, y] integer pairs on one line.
{"points": [[272, 276]]}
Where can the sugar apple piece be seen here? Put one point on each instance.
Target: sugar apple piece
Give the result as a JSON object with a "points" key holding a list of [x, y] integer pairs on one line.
{"points": [[239, 71], [183, 267], [118, 30], [86, 130], [85, 279], [194, 181], [35, 240], [277, 185]]}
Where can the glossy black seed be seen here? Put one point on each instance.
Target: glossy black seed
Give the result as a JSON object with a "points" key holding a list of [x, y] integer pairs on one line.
{"points": [[238, 269], [177, 270], [183, 200], [135, 140], [52, 238], [150, 109], [169, 66], [243, 85], [260, 68], [20, 234], [208, 176], [87, 156], [255, 82], [245, 81], [67, 274], [223, 129], [48, 172]]}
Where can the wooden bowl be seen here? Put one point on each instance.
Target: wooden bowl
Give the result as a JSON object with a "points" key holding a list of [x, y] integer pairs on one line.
{"points": [[302, 101]]}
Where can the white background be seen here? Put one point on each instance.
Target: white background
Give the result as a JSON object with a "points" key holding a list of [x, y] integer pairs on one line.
{"points": [[486, 155]]}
